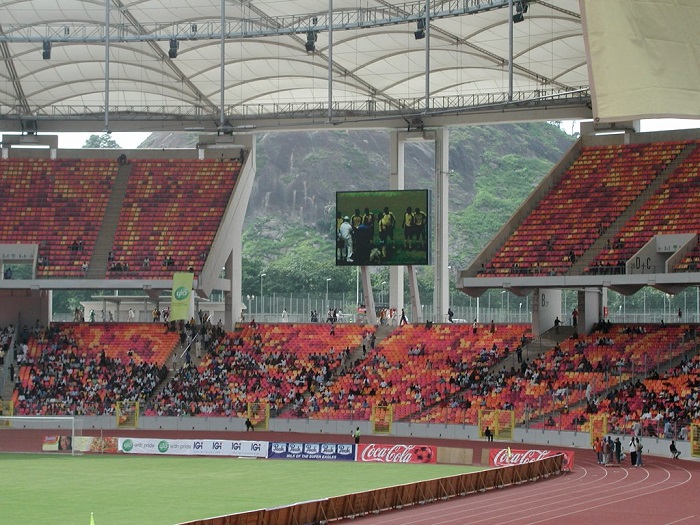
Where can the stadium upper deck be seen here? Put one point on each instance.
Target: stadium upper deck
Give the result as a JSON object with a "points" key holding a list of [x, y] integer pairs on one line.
{"points": [[593, 201], [167, 217]]}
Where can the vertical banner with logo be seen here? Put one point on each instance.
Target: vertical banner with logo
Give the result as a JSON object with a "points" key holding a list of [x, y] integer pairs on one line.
{"points": [[182, 293]]}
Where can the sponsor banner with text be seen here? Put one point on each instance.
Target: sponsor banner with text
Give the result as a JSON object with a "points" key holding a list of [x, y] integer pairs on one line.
{"points": [[181, 295], [504, 457], [397, 453], [194, 447], [327, 451]]}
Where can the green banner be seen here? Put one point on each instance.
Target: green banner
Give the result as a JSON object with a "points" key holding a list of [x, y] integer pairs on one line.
{"points": [[182, 292]]}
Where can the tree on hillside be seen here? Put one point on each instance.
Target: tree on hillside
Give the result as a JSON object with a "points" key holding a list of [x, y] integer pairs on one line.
{"points": [[104, 141]]}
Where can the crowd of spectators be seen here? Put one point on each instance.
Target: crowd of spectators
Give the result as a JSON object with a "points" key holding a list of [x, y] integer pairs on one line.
{"points": [[659, 405], [595, 374], [57, 376], [253, 366]]}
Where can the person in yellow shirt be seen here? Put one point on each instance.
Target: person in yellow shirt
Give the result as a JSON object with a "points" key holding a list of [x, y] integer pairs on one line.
{"points": [[356, 219], [420, 228], [368, 219], [407, 226], [387, 223]]}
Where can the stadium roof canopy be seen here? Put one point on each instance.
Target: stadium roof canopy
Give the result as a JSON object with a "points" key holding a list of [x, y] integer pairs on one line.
{"points": [[156, 64]]}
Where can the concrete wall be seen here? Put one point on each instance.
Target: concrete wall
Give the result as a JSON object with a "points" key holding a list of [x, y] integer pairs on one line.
{"points": [[33, 305], [542, 438]]}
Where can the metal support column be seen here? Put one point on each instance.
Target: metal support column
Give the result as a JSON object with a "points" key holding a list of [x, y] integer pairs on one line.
{"points": [[396, 182], [416, 310], [369, 296], [442, 174]]}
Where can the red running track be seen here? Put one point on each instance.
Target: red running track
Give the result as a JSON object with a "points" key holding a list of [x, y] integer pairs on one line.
{"points": [[663, 492]]}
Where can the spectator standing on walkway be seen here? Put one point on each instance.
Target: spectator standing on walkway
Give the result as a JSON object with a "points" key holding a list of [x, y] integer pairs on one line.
{"points": [[607, 450], [618, 450], [639, 446], [674, 451], [598, 447], [633, 451]]}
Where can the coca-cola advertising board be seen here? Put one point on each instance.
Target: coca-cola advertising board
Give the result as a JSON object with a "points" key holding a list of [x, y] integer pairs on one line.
{"points": [[505, 456], [396, 453]]}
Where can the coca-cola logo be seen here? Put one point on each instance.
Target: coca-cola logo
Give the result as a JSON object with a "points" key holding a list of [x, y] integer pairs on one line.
{"points": [[519, 457], [505, 457]]}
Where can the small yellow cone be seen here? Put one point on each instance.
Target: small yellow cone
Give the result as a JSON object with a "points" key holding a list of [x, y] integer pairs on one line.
{"points": [[92, 519]]}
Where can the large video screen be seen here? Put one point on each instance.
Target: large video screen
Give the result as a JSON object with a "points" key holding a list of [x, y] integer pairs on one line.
{"points": [[382, 228]]}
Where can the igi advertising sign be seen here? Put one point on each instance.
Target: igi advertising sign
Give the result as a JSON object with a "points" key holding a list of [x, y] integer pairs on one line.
{"points": [[397, 453], [194, 447], [504, 457], [327, 451]]}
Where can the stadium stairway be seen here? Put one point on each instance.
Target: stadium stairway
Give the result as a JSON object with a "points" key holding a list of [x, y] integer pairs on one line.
{"points": [[382, 332], [580, 406], [537, 346], [585, 260], [108, 229], [7, 387], [174, 363], [159, 389], [355, 355]]}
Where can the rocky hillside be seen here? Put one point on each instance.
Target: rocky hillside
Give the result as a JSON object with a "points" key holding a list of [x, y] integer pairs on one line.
{"points": [[292, 205]]}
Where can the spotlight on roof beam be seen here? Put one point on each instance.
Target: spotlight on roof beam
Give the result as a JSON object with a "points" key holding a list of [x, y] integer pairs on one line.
{"points": [[519, 10], [419, 34], [46, 52], [311, 38], [174, 46]]}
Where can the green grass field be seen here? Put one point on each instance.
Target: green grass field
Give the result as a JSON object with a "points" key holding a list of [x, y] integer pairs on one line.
{"points": [[155, 490]]}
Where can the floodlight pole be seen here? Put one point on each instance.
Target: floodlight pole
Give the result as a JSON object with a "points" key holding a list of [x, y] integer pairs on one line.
{"points": [[261, 291], [221, 66], [330, 61], [427, 55], [510, 50], [107, 2]]}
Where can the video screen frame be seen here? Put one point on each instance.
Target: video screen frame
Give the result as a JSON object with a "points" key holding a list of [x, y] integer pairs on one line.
{"points": [[371, 239]]}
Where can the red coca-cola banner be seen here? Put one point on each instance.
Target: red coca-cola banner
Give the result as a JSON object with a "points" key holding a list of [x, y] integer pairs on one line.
{"points": [[506, 456], [396, 453]]}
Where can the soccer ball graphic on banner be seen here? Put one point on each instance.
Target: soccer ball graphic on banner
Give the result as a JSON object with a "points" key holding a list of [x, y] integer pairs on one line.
{"points": [[422, 454]]}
